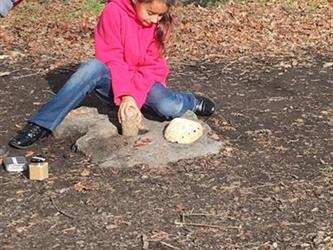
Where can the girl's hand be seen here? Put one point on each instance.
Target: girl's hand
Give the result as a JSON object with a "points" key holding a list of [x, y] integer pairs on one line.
{"points": [[126, 104]]}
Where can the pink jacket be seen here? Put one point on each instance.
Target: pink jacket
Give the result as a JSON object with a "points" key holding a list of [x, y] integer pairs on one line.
{"points": [[129, 51]]}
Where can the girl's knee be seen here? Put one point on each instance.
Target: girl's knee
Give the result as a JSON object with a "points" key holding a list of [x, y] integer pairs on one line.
{"points": [[165, 102], [90, 70], [169, 108], [92, 66], [86, 75]]}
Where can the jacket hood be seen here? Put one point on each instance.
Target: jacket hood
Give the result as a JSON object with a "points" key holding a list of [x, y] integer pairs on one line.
{"points": [[126, 5]]}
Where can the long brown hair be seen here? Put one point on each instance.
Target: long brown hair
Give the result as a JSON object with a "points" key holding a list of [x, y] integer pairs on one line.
{"points": [[162, 34]]}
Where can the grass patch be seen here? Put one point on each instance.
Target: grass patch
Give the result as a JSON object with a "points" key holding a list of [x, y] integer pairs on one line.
{"points": [[86, 8], [93, 7]]}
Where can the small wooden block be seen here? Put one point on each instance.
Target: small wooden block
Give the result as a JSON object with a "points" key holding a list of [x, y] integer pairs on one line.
{"points": [[38, 171]]}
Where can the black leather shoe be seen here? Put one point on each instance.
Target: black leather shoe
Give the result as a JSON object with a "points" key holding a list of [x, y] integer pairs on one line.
{"points": [[205, 106], [29, 135]]}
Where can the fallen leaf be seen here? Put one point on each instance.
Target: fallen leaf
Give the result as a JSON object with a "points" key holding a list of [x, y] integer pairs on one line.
{"points": [[29, 153], [6, 73], [2, 57], [328, 64], [79, 187], [142, 143], [85, 172], [112, 226], [180, 208]]}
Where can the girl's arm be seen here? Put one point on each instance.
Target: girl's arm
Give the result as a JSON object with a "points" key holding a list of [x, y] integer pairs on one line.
{"points": [[155, 69], [110, 51]]}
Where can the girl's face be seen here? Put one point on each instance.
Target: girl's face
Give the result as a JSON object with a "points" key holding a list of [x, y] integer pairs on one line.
{"points": [[150, 12]]}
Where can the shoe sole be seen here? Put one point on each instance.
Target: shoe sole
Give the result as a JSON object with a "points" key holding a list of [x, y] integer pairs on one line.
{"points": [[214, 103], [25, 147], [209, 113]]}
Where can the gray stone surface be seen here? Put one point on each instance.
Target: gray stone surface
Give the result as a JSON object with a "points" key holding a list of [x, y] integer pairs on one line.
{"points": [[85, 122], [97, 137]]}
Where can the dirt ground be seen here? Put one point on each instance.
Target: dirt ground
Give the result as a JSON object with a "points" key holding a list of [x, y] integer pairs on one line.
{"points": [[271, 186]]}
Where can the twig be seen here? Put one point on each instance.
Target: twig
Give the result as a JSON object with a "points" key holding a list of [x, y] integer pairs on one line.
{"points": [[169, 245], [201, 214], [201, 225], [183, 223], [60, 211], [145, 242], [227, 66], [32, 74], [48, 91]]}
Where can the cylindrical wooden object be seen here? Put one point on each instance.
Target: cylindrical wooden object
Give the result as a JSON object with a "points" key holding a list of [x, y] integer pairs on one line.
{"points": [[129, 127]]}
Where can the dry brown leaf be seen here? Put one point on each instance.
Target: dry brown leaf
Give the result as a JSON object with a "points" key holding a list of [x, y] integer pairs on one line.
{"points": [[85, 172], [79, 187], [29, 153], [241, 28], [180, 208], [142, 143]]}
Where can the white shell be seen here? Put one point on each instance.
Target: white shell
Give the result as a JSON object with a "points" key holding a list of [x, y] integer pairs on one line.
{"points": [[183, 131]]}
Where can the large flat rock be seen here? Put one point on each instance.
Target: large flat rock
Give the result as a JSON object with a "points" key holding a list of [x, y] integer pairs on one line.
{"points": [[97, 137]]}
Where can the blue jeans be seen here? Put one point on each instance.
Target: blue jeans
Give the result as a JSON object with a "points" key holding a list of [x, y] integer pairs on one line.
{"points": [[95, 76], [5, 6]]}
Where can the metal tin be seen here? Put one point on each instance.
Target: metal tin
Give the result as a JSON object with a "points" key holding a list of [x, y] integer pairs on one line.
{"points": [[16, 164]]}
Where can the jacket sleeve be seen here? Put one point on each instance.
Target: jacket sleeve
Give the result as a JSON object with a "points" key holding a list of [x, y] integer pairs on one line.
{"points": [[154, 69], [109, 50]]}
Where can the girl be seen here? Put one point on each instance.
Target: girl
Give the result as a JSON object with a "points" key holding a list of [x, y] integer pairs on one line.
{"points": [[129, 69]]}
